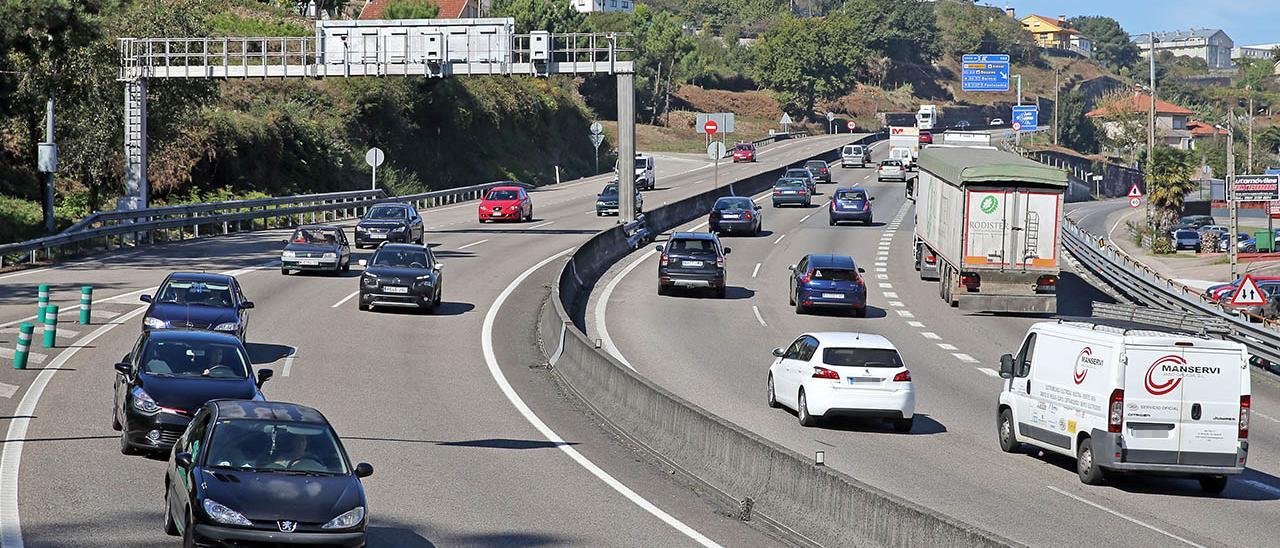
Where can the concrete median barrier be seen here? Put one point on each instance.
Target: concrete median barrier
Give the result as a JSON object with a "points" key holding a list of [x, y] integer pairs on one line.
{"points": [[762, 480]]}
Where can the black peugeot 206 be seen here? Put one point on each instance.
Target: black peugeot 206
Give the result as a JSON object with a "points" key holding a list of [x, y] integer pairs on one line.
{"points": [[263, 473], [168, 376]]}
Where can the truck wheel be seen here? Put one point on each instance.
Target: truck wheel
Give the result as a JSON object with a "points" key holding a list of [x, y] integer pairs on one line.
{"points": [[1008, 436], [1213, 485], [1090, 472]]}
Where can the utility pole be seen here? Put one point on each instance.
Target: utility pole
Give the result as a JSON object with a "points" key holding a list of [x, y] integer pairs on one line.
{"points": [[1249, 163], [1056, 89], [1231, 191], [48, 163], [1017, 135], [1151, 119]]}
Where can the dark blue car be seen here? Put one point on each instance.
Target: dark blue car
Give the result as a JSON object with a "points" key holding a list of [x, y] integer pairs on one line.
{"points": [[189, 300], [850, 204], [832, 281], [735, 214]]}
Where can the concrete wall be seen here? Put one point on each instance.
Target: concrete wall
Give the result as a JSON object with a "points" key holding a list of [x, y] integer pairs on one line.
{"points": [[815, 504]]}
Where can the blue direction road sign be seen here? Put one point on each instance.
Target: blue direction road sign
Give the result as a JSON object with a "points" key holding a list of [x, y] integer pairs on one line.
{"points": [[1027, 117], [984, 72]]}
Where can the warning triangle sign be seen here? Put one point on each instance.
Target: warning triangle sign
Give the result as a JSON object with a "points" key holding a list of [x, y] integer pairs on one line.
{"points": [[786, 119], [1134, 192], [1248, 294]]}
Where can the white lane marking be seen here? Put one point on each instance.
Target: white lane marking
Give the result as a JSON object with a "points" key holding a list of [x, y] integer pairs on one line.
{"points": [[881, 263], [288, 361], [905, 313], [930, 335], [882, 276], [946, 346], [1257, 414], [964, 357], [881, 269], [1124, 517], [602, 305], [890, 295], [760, 199], [989, 372], [916, 325], [486, 343], [755, 270], [756, 309], [540, 225], [77, 306], [345, 299], [474, 244], [775, 242], [11, 455], [23, 273], [886, 286], [1264, 487], [8, 390], [896, 304], [805, 218], [33, 357]]}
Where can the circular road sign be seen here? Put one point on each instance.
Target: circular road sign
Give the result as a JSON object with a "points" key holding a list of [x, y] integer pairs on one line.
{"points": [[711, 127], [715, 150], [1017, 126], [852, 125], [374, 157], [831, 116], [596, 128], [1134, 202]]}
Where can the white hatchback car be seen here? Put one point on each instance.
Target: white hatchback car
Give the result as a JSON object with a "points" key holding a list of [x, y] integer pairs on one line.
{"points": [[843, 375]]}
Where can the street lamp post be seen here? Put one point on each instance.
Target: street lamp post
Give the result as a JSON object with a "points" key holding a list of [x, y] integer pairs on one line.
{"points": [[1231, 192]]}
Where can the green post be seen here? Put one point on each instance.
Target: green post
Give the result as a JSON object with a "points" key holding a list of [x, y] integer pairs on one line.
{"points": [[24, 345], [42, 301], [86, 304], [51, 326]]}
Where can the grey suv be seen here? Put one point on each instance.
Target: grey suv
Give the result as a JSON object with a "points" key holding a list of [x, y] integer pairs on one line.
{"points": [[693, 260]]}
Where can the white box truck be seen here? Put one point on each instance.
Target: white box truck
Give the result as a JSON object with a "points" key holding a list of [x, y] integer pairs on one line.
{"points": [[904, 137], [1129, 397], [928, 117], [987, 227]]}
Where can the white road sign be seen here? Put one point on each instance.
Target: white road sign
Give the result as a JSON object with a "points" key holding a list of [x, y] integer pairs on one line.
{"points": [[715, 150], [596, 139], [374, 157], [596, 128]]}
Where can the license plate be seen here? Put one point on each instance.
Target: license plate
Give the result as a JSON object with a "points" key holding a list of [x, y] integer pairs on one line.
{"points": [[396, 289], [833, 295], [863, 380], [378, 236], [732, 216], [788, 192], [309, 262], [691, 264]]}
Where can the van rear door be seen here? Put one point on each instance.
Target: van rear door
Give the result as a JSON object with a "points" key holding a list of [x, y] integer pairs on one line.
{"points": [[1211, 390], [1152, 404]]}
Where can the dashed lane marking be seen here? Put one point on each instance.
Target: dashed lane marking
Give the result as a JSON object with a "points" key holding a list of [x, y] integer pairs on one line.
{"points": [[930, 335], [755, 270], [540, 225], [964, 357], [890, 295], [905, 313], [886, 286], [345, 299], [882, 276], [916, 325], [775, 242], [896, 304], [805, 218], [946, 346], [989, 372], [473, 244], [288, 361], [756, 309]]}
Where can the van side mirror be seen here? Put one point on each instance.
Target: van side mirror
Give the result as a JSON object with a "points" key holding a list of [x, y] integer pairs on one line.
{"points": [[1006, 366], [862, 270], [727, 251], [873, 198], [246, 305], [777, 352]]}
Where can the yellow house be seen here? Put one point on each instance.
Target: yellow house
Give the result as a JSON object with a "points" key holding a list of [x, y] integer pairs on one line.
{"points": [[1056, 33]]}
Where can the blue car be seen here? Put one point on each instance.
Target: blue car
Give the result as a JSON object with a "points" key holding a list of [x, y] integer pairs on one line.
{"points": [[833, 281], [850, 204], [189, 300]]}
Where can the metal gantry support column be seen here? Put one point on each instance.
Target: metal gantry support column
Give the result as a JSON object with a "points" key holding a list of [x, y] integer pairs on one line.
{"points": [[626, 147], [135, 144]]}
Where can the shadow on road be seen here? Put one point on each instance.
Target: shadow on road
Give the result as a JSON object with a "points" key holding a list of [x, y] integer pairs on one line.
{"points": [[487, 443]]}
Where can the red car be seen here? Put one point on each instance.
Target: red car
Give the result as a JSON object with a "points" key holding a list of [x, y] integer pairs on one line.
{"points": [[506, 203], [926, 138], [744, 152]]}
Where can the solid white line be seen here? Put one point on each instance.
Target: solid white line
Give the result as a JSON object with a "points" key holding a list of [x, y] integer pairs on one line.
{"points": [[486, 343], [1122, 516], [345, 299], [964, 357], [756, 309], [24, 273], [930, 335], [288, 361], [11, 458], [946, 346], [540, 225], [775, 242], [755, 270], [602, 305], [8, 390], [989, 372], [472, 244]]}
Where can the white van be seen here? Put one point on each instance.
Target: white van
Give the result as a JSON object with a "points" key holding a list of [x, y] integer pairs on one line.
{"points": [[852, 155], [645, 179], [903, 154], [1122, 396]]}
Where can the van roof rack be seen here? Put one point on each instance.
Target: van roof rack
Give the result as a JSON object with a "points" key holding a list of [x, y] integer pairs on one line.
{"points": [[1134, 317]]}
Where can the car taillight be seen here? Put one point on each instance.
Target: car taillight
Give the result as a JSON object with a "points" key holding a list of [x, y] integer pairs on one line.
{"points": [[720, 261], [663, 260], [970, 281], [804, 278], [824, 170], [776, 192], [824, 373], [904, 376], [931, 259], [747, 216], [1115, 416], [1245, 405], [833, 205]]}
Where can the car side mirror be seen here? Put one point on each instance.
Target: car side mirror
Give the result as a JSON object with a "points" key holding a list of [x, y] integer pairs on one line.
{"points": [[873, 198], [777, 352], [658, 247], [438, 267], [183, 460], [792, 268], [124, 368], [727, 251], [862, 270], [264, 375], [1006, 366], [363, 262], [284, 241], [758, 208], [145, 298], [246, 305], [364, 470]]}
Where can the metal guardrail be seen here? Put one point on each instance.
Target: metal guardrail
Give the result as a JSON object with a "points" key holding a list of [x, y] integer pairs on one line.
{"points": [[133, 227], [1144, 284]]}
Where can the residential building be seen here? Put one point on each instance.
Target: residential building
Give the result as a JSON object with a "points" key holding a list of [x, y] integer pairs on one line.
{"points": [[588, 6], [1256, 51], [1212, 45], [1056, 33], [1171, 120], [449, 9], [1203, 130]]}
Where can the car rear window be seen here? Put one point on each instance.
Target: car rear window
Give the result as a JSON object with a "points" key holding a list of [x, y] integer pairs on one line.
{"points": [[815, 163], [894, 163], [789, 183], [862, 357], [835, 274], [734, 204], [691, 245], [797, 173], [851, 195]]}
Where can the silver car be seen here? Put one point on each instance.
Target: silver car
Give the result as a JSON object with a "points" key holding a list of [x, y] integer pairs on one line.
{"points": [[891, 169]]}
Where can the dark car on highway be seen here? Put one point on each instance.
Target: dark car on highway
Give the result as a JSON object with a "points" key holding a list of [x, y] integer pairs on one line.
{"points": [[264, 474], [1186, 239], [803, 174], [828, 281], [316, 247], [189, 300], [735, 214], [168, 376], [401, 275], [850, 204], [820, 170], [693, 260], [607, 200], [389, 223], [792, 191]]}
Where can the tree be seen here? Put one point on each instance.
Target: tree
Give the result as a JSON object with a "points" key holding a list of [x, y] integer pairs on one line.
{"points": [[411, 9], [1168, 182], [1275, 54], [555, 16], [1076, 131], [1111, 44], [804, 60], [660, 44], [1124, 127], [902, 30]]}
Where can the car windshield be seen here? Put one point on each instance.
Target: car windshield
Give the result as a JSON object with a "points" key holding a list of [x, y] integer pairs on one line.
{"points": [[851, 195], [610, 188], [802, 173], [734, 204], [316, 236], [195, 293], [835, 274], [503, 195], [400, 258], [270, 446], [1186, 234], [398, 213], [641, 163], [743, 147], [219, 360], [862, 357]]}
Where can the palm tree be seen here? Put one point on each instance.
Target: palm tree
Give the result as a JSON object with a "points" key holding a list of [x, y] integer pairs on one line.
{"points": [[1168, 183]]}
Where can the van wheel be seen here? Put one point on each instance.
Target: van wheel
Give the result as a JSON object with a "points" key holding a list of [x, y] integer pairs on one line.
{"points": [[1090, 472], [1008, 437], [773, 396], [1213, 485], [802, 411]]}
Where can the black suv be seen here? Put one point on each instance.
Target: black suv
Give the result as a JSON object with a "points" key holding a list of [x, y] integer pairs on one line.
{"points": [[389, 223], [692, 259], [401, 275]]}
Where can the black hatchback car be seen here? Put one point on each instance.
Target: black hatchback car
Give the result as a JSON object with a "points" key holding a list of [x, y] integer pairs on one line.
{"points": [[694, 260], [168, 376], [401, 275], [736, 214], [263, 473], [389, 223], [316, 247], [188, 300]]}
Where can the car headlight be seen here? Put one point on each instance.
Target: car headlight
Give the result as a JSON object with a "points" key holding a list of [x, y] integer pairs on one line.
{"points": [[222, 514], [513, 208], [143, 402], [369, 281], [287, 254], [399, 228], [330, 255], [347, 520], [154, 323], [227, 326], [361, 228], [424, 277]]}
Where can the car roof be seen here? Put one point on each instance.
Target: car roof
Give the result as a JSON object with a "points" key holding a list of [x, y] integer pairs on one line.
{"points": [[267, 410], [831, 261], [201, 277], [853, 340], [732, 199], [316, 227], [847, 188], [391, 204], [807, 162], [693, 236], [191, 335]]}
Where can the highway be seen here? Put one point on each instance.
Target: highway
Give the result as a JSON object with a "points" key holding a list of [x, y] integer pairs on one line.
{"points": [[716, 353], [453, 410]]}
